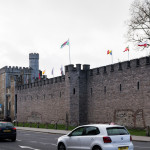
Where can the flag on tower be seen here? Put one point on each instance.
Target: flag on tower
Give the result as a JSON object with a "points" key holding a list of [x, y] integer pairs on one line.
{"points": [[126, 49], [109, 52], [142, 44], [43, 72], [65, 43]]}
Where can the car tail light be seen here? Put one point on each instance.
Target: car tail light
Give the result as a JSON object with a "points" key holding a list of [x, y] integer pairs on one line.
{"points": [[130, 138], [14, 129], [107, 139]]}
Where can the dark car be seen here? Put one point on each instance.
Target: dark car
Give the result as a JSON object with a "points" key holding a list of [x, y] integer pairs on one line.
{"points": [[7, 131]]}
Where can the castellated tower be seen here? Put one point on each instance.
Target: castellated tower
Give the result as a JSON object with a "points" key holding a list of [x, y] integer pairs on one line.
{"points": [[76, 93], [34, 64]]}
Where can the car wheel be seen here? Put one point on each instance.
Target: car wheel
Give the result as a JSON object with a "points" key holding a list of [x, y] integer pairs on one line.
{"points": [[96, 148], [13, 139], [61, 146]]}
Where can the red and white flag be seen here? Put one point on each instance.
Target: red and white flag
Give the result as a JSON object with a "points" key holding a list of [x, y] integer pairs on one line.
{"points": [[126, 49], [142, 44]]}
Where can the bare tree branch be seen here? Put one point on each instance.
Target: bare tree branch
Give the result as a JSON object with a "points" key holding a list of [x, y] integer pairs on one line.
{"points": [[139, 23]]}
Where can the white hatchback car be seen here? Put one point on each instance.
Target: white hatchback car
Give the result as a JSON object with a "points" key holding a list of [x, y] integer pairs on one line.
{"points": [[96, 137]]}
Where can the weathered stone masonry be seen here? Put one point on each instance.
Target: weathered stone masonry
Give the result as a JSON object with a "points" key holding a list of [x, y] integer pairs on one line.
{"points": [[115, 93]]}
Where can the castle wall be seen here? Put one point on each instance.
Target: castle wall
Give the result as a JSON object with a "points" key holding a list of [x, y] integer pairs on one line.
{"points": [[11, 102], [8, 77], [2, 91], [42, 101], [117, 93], [121, 95]]}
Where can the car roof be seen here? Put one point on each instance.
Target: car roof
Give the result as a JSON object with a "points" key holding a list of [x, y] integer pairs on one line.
{"points": [[102, 125], [5, 122]]}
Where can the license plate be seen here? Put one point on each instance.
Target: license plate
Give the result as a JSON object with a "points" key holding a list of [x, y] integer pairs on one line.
{"points": [[122, 148], [6, 130]]}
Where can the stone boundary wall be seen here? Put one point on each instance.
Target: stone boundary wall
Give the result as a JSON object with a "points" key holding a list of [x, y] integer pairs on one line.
{"points": [[120, 93], [117, 93], [42, 101]]}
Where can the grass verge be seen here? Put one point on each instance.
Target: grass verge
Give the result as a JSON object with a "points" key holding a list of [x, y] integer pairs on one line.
{"points": [[46, 126], [137, 132]]}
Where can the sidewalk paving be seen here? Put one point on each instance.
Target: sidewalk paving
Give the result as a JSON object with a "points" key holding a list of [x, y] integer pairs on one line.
{"points": [[134, 138]]}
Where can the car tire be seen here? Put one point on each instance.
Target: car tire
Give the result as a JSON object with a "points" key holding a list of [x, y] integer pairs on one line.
{"points": [[13, 139], [61, 147], [96, 148]]}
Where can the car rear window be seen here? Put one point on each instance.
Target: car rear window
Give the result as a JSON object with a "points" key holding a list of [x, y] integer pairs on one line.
{"points": [[6, 124], [117, 131]]}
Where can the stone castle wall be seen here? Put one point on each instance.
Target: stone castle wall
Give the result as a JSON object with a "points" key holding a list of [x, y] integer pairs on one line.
{"points": [[117, 93], [120, 93], [8, 77], [42, 101], [3, 92]]}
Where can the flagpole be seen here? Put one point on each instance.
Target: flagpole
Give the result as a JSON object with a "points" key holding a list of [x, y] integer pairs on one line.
{"points": [[128, 55], [112, 58], [69, 52], [146, 49]]}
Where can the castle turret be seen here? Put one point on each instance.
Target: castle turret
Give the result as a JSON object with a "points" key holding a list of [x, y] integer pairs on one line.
{"points": [[34, 64], [76, 94]]}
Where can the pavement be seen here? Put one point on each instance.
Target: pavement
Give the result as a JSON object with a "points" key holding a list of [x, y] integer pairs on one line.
{"points": [[63, 132]]}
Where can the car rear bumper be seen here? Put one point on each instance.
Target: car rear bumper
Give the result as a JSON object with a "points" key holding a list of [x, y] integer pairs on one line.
{"points": [[116, 147], [7, 136]]}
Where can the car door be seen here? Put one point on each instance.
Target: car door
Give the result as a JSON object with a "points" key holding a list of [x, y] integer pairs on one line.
{"points": [[88, 137], [73, 141]]}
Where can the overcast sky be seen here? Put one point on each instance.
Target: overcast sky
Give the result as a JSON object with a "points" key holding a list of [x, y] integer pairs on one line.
{"points": [[41, 26]]}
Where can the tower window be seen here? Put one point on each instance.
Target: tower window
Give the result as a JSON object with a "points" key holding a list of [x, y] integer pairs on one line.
{"points": [[74, 91], [120, 87], [137, 63], [104, 89], [138, 85]]}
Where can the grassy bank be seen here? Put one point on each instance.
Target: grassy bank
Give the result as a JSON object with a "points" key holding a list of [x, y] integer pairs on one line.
{"points": [[46, 126], [137, 132]]}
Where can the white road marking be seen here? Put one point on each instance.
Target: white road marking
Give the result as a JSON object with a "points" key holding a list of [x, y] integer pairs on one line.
{"points": [[33, 141], [53, 144], [27, 147], [44, 143], [18, 140], [142, 147]]}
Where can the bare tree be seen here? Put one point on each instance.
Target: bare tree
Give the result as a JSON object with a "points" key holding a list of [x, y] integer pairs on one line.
{"points": [[139, 23]]}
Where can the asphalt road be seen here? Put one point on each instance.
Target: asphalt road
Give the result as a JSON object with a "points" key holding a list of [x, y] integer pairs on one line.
{"points": [[27, 140]]}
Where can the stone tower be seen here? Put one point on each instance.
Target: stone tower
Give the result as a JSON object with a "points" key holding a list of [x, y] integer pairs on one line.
{"points": [[34, 64], [76, 93]]}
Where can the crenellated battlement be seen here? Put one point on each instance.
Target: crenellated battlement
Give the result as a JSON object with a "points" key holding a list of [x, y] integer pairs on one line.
{"points": [[121, 66], [33, 56], [15, 69], [104, 70], [42, 82], [71, 67]]}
